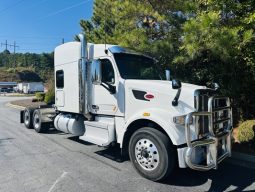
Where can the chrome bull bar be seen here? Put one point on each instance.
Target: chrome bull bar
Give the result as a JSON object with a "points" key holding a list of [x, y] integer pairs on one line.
{"points": [[213, 140]]}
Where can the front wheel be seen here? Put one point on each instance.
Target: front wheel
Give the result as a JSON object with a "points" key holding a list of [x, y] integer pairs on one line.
{"points": [[151, 153]]}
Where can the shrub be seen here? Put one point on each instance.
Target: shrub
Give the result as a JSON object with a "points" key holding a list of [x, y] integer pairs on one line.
{"points": [[10, 70], [245, 131], [40, 96], [50, 97]]}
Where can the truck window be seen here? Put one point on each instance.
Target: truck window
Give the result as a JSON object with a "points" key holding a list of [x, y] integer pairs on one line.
{"points": [[60, 79], [107, 71], [133, 66]]}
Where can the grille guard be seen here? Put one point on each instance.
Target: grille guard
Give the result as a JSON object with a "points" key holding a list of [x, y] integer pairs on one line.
{"points": [[212, 140]]}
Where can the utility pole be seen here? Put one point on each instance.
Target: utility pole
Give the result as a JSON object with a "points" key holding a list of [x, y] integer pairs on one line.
{"points": [[5, 44], [14, 52]]}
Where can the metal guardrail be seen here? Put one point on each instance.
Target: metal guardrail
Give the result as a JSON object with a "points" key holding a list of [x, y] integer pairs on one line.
{"points": [[213, 140]]}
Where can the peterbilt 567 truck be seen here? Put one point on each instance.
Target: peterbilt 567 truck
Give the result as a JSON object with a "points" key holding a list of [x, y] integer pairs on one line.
{"points": [[109, 95]]}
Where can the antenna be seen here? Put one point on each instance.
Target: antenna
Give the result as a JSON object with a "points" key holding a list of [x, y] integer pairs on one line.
{"points": [[105, 50]]}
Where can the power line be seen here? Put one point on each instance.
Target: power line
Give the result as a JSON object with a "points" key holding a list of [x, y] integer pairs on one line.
{"points": [[31, 37], [14, 47], [65, 9], [11, 6], [29, 45], [38, 3], [42, 38]]}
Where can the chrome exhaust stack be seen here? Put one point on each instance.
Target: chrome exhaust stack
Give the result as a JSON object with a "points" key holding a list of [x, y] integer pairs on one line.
{"points": [[84, 100]]}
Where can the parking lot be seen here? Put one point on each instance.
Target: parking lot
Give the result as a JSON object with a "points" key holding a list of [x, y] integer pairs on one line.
{"points": [[56, 161]]}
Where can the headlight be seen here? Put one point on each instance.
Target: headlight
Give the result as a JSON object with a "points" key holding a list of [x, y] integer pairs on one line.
{"points": [[180, 120]]}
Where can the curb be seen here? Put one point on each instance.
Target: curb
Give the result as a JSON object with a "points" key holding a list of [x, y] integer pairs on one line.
{"points": [[15, 106], [242, 159]]}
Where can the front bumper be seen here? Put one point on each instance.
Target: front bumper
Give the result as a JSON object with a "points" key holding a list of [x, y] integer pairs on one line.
{"points": [[215, 146]]}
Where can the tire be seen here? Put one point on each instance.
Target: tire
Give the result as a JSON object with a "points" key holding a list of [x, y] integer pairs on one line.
{"points": [[152, 154], [38, 125], [28, 118]]}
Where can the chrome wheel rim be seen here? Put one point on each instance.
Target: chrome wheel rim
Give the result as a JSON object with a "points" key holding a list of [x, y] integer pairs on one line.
{"points": [[26, 118], [146, 154], [36, 121]]}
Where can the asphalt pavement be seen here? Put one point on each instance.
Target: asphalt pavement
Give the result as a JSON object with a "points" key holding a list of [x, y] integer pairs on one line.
{"points": [[56, 161]]}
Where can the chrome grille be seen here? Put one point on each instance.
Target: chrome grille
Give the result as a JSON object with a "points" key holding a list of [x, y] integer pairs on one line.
{"points": [[221, 114], [205, 100], [201, 104], [213, 126]]}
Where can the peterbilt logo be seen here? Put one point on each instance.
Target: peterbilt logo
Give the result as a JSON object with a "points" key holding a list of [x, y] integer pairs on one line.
{"points": [[143, 95]]}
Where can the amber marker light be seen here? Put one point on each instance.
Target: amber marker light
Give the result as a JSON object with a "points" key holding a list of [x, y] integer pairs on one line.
{"points": [[145, 114]]}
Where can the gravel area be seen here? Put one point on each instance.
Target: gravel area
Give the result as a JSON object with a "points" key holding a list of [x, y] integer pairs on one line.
{"points": [[27, 103]]}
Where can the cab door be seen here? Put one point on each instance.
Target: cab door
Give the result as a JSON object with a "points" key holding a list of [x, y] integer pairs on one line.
{"points": [[103, 101]]}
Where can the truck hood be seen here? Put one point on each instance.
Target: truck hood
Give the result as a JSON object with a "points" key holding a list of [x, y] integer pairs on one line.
{"points": [[164, 94]]}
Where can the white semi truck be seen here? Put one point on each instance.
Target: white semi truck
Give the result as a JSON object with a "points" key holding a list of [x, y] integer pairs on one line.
{"points": [[31, 87], [109, 95]]}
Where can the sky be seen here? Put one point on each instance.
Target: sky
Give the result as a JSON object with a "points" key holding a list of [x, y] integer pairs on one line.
{"points": [[40, 25]]}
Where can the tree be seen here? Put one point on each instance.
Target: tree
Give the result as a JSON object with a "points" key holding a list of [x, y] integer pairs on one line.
{"points": [[146, 26], [201, 41], [218, 45], [43, 64]]}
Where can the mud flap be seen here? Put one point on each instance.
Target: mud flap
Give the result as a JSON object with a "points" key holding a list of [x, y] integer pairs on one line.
{"points": [[21, 116]]}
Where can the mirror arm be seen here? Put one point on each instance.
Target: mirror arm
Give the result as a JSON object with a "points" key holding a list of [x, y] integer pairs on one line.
{"points": [[175, 101], [110, 88]]}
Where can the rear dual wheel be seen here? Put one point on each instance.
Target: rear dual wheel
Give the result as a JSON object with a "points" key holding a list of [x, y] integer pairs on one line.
{"points": [[38, 125], [151, 153], [33, 119], [28, 118]]}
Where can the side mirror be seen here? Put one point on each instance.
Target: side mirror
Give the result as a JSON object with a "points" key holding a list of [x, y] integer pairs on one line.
{"points": [[96, 72], [176, 84], [168, 75]]}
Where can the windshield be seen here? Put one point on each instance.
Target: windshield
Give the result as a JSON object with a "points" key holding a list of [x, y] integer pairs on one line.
{"points": [[136, 67]]}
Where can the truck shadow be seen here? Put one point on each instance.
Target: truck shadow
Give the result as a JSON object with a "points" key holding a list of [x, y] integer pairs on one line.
{"points": [[112, 153], [76, 139], [54, 131], [227, 176]]}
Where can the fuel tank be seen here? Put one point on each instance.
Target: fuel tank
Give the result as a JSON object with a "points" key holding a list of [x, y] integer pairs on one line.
{"points": [[70, 124]]}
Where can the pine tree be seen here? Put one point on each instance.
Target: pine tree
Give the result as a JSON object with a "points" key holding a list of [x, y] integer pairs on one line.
{"points": [[148, 26]]}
